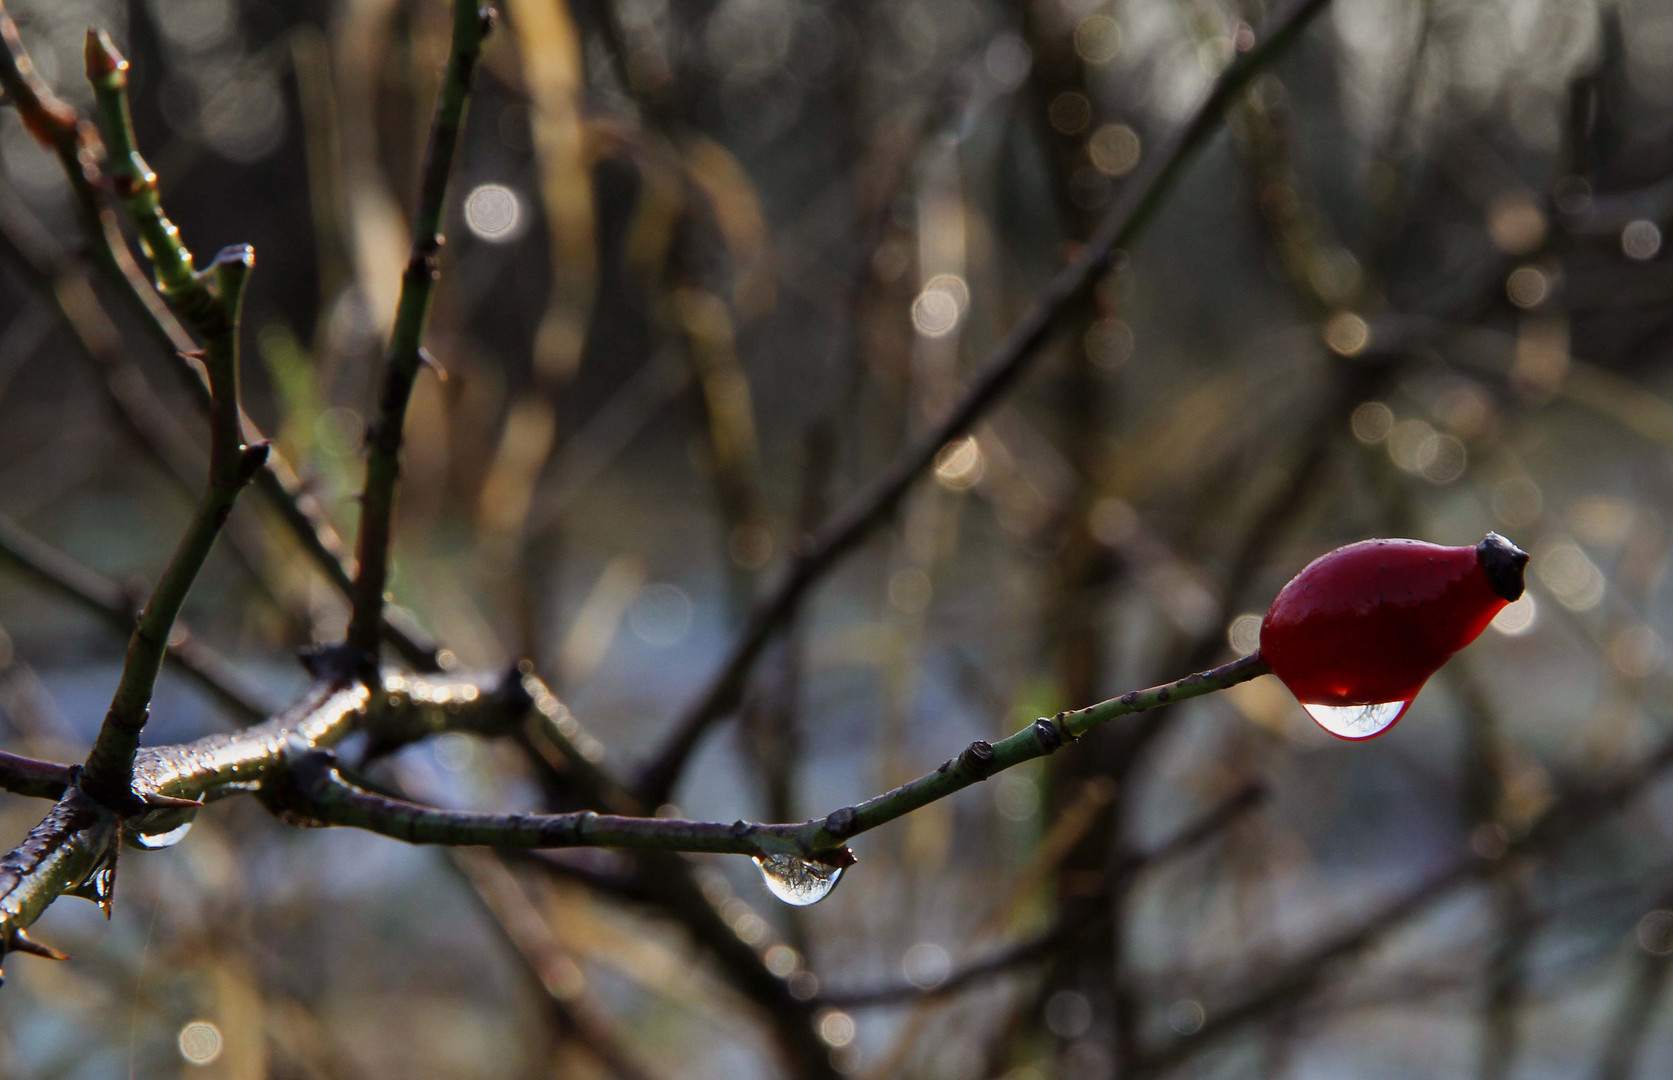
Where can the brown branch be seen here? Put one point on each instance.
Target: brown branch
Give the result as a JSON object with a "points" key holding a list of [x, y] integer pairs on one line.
{"points": [[27, 776], [418, 282]]}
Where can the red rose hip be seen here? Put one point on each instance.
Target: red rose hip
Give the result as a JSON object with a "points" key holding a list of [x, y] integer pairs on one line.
{"points": [[1358, 632]]}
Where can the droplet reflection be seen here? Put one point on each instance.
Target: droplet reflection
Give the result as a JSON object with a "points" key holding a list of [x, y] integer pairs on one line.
{"points": [[168, 838], [1357, 721], [797, 881]]}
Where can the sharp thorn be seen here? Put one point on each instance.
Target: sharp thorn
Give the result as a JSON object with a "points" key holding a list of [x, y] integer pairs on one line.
{"points": [[23, 943], [157, 799]]}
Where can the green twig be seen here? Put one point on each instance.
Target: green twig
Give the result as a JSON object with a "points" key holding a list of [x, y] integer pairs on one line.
{"points": [[383, 442], [74, 139], [319, 790], [210, 303]]}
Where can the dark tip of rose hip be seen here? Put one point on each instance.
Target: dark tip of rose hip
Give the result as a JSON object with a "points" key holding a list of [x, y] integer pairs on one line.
{"points": [[1504, 564]]}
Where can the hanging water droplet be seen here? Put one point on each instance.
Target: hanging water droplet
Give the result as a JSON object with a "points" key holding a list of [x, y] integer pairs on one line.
{"points": [[1357, 721], [100, 886], [158, 829], [797, 881], [152, 841]]}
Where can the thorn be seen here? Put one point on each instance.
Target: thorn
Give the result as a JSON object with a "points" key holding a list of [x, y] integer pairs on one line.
{"points": [[236, 256], [158, 800], [511, 693], [251, 459], [429, 360], [191, 354], [23, 943]]}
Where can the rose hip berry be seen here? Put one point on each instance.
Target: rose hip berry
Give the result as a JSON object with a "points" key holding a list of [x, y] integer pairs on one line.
{"points": [[1358, 632]]}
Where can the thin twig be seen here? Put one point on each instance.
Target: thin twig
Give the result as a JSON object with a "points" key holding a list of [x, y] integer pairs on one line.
{"points": [[211, 303], [44, 266], [74, 139], [319, 790], [873, 504], [405, 355]]}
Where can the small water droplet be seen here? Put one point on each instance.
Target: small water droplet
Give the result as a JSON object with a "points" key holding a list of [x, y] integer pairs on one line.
{"points": [[160, 828], [100, 885], [797, 881], [153, 841], [1357, 721]]}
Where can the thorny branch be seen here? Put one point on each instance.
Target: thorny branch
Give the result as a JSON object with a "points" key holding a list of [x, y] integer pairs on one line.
{"points": [[285, 761], [320, 791]]}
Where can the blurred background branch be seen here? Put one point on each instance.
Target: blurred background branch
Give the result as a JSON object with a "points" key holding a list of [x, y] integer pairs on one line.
{"points": [[722, 289]]}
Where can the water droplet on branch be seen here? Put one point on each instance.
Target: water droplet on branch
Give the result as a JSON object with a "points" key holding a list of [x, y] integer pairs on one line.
{"points": [[153, 841], [1357, 721], [160, 828], [797, 881]]}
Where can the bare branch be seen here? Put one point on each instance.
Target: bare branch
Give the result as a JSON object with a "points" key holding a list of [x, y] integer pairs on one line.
{"points": [[317, 789], [26, 776], [383, 443], [1140, 198], [211, 303], [1561, 821], [71, 136]]}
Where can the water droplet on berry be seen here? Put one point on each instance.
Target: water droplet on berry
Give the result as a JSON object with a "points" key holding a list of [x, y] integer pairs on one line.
{"points": [[797, 881], [1357, 721]]}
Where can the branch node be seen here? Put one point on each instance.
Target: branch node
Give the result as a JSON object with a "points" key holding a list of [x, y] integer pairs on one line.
{"points": [[336, 664], [1047, 734], [977, 759], [840, 823]]}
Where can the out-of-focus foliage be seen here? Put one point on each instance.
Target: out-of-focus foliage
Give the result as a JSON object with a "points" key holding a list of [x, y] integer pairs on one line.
{"points": [[709, 265]]}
